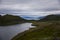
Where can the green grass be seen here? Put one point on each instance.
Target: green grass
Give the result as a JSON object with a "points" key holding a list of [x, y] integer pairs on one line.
{"points": [[42, 31]]}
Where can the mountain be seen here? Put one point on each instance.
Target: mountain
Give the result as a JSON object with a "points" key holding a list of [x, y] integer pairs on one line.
{"points": [[10, 20], [31, 17], [53, 17]]}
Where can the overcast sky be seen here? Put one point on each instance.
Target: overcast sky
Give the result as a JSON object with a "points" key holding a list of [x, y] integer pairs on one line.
{"points": [[30, 7]]}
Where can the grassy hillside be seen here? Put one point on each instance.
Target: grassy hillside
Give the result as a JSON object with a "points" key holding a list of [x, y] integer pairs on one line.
{"points": [[43, 31], [51, 18], [47, 29], [10, 20]]}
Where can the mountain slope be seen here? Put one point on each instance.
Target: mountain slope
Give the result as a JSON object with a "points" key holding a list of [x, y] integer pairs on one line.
{"points": [[51, 18], [10, 20]]}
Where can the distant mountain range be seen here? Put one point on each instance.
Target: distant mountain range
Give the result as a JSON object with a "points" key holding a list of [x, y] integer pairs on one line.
{"points": [[37, 17], [32, 17]]}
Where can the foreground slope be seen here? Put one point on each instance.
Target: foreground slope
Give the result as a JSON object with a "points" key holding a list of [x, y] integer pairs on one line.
{"points": [[43, 31]]}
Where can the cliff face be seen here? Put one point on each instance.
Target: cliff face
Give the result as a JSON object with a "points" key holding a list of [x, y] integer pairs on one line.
{"points": [[10, 20]]}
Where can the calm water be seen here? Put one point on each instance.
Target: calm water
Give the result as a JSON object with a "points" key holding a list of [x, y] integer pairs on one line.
{"points": [[7, 32]]}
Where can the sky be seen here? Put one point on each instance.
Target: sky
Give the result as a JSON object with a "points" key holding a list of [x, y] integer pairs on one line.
{"points": [[30, 7]]}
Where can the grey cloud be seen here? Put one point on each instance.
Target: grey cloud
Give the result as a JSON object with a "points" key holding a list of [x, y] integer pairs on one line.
{"points": [[47, 9], [29, 6], [16, 1]]}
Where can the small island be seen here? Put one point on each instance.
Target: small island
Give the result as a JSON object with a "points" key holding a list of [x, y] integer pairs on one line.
{"points": [[10, 20], [47, 28]]}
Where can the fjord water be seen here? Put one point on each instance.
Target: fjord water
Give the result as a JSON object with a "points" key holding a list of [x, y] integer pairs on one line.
{"points": [[8, 32]]}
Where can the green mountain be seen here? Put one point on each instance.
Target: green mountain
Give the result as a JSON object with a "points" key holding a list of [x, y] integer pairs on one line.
{"points": [[10, 20], [51, 18]]}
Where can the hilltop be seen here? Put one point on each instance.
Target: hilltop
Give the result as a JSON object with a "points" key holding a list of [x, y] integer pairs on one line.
{"points": [[10, 20], [51, 18]]}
